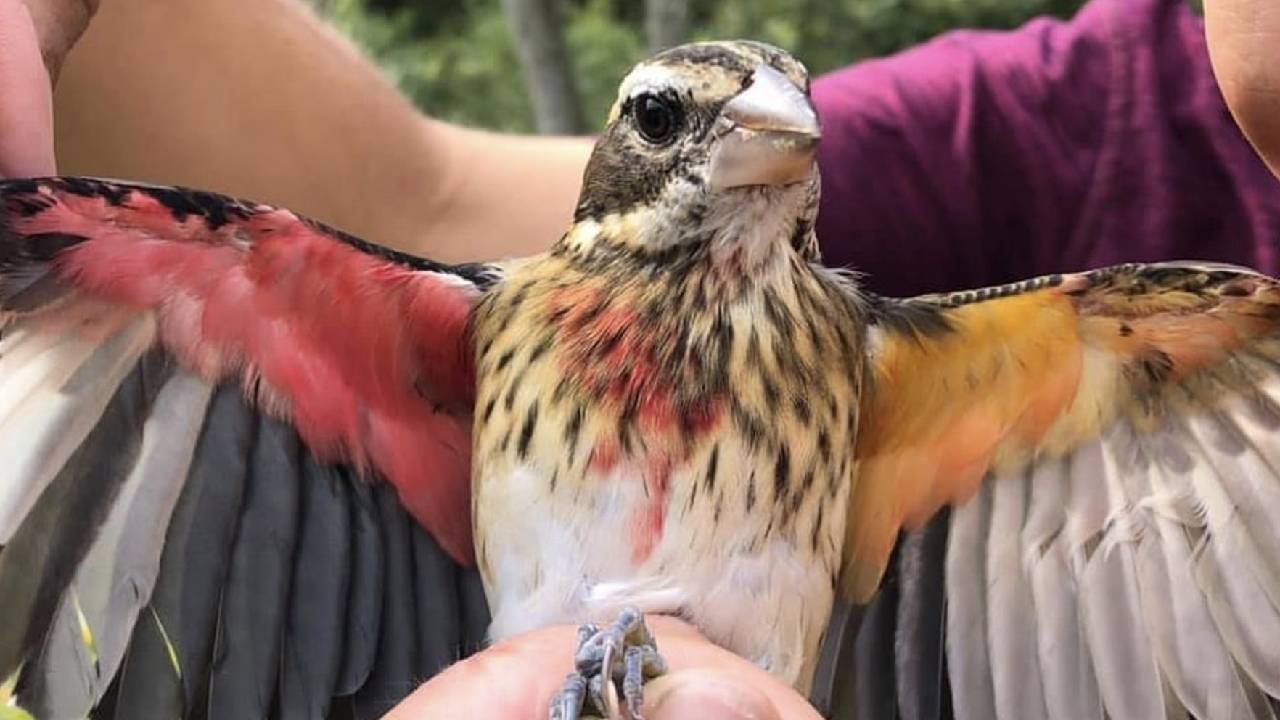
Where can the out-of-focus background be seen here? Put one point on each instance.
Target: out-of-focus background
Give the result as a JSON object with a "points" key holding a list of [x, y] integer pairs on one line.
{"points": [[454, 58]]}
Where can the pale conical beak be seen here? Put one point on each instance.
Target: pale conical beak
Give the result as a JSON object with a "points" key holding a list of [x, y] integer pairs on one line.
{"points": [[768, 134]]}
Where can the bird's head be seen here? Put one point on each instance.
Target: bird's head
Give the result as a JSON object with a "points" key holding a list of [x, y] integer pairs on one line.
{"points": [[708, 144]]}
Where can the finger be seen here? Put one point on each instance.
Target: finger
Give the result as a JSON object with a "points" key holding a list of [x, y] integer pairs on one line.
{"points": [[687, 650], [514, 679], [59, 24], [517, 679], [26, 104], [706, 694]]}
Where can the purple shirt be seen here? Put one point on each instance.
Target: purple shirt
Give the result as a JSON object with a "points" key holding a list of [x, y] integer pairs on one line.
{"points": [[984, 157]]}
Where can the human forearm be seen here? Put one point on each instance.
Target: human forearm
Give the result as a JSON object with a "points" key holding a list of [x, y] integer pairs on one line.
{"points": [[508, 195], [258, 98], [1244, 46]]}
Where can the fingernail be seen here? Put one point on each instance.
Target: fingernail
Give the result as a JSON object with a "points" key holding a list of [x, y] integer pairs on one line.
{"points": [[708, 698]]}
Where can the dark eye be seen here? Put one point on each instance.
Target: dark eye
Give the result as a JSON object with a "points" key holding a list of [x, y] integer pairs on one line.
{"points": [[656, 119]]}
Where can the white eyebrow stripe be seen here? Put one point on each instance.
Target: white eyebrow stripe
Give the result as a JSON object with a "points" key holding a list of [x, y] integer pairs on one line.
{"points": [[650, 79]]}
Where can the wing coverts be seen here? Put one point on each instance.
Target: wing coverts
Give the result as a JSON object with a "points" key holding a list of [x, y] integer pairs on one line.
{"points": [[183, 536], [1112, 445]]}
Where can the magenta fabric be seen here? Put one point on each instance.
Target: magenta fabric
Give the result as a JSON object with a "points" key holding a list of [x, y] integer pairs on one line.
{"points": [[984, 157]]}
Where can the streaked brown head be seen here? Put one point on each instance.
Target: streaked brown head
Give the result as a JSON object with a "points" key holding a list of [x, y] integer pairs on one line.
{"points": [[697, 130]]}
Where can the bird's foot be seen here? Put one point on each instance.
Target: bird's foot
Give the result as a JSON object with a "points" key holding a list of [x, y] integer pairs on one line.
{"points": [[610, 661]]}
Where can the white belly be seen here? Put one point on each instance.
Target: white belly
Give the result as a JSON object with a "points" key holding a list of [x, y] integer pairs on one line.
{"points": [[571, 558]]}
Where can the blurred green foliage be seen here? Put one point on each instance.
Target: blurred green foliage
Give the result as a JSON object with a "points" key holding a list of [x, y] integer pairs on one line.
{"points": [[456, 60]]}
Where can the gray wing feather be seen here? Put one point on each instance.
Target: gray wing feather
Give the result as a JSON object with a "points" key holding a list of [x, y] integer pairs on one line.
{"points": [[1150, 590], [114, 581]]}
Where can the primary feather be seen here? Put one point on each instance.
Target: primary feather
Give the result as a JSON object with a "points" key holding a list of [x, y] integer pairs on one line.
{"points": [[151, 338], [1144, 470], [114, 581]]}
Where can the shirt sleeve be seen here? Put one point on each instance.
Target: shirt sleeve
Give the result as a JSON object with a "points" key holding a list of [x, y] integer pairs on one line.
{"points": [[985, 157]]}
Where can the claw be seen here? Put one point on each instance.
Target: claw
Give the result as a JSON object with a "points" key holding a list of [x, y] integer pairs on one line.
{"points": [[633, 680], [609, 662]]}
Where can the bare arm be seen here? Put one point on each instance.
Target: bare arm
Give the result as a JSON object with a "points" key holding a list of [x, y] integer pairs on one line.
{"points": [[1244, 46], [258, 98]]}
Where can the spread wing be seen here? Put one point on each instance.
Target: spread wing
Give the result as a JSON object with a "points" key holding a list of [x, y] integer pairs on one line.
{"points": [[1109, 446], [224, 430]]}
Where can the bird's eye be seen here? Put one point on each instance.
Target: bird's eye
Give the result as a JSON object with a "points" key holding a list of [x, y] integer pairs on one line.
{"points": [[656, 119]]}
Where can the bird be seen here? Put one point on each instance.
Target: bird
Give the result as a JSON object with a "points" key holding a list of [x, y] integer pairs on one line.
{"points": [[251, 458]]}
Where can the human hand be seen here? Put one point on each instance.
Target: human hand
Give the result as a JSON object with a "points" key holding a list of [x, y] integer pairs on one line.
{"points": [[35, 36], [516, 679], [1243, 36]]}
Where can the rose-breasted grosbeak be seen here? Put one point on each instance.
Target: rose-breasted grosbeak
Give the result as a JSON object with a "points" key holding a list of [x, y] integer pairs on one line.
{"points": [[677, 410]]}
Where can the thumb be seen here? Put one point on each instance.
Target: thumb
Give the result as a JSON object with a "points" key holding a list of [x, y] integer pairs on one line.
{"points": [[706, 694], [26, 106]]}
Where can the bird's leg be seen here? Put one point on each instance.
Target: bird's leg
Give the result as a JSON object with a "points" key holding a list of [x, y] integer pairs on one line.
{"points": [[643, 664], [614, 660]]}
